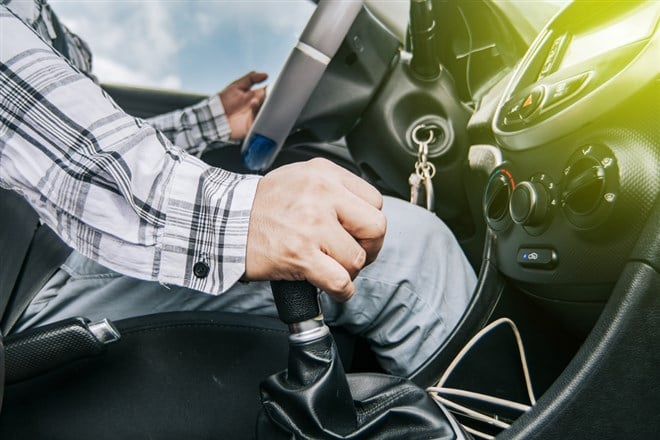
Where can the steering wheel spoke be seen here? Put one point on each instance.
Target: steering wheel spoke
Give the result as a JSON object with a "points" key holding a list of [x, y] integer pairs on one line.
{"points": [[304, 68]]}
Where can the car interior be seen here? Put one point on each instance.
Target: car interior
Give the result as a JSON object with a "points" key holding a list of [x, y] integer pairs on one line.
{"points": [[544, 140]]}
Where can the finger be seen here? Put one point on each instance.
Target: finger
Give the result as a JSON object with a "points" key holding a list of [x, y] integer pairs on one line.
{"points": [[259, 96], [249, 79], [342, 247], [362, 189], [328, 275], [361, 219], [254, 106], [364, 223], [257, 77], [354, 184], [372, 247]]}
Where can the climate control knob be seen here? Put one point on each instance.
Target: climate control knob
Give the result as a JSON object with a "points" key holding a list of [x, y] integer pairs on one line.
{"points": [[496, 199], [528, 204]]}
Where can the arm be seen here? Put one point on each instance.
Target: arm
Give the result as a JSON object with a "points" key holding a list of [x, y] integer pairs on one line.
{"points": [[111, 186], [221, 117], [120, 193], [195, 127]]}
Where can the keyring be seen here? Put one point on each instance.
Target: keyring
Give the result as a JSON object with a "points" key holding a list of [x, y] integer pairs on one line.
{"points": [[427, 141], [427, 167]]}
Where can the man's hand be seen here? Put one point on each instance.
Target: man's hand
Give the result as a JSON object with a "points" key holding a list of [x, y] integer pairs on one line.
{"points": [[241, 103], [314, 221]]}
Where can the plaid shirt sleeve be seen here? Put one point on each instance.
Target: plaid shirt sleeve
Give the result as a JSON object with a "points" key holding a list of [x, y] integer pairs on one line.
{"points": [[195, 127], [112, 186]]}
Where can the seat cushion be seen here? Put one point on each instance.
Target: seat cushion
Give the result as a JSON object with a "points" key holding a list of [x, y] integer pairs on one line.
{"points": [[177, 375]]}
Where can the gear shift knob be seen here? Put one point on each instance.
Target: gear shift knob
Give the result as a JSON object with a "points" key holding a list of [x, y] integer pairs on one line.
{"points": [[298, 306], [296, 301]]}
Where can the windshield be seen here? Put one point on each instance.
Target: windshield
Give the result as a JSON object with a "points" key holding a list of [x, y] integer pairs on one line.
{"points": [[196, 46], [200, 46], [537, 12]]}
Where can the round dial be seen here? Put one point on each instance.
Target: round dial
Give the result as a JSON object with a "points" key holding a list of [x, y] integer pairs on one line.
{"points": [[496, 199], [589, 186], [529, 204]]}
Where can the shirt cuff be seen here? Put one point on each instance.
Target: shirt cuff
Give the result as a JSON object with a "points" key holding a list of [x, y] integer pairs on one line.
{"points": [[218, 119], [204, 240]]}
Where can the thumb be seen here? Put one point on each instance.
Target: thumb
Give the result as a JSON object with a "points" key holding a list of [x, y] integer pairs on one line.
{"points": [[249, 79]]}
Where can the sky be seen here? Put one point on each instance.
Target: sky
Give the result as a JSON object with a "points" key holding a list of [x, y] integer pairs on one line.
{"points": [[187, 45]]}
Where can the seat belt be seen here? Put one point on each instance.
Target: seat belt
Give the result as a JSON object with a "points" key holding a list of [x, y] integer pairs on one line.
{"points": [[18, 224], [46, 254], [31, 253]]}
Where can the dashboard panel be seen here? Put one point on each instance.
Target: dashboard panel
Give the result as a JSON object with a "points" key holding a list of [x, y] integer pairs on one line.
{"points": [[578, 129], [585, 63]]}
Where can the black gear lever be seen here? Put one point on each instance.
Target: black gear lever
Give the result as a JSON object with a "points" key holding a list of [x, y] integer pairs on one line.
{"points": [[314, 366], [298, 306], [315, 399]]}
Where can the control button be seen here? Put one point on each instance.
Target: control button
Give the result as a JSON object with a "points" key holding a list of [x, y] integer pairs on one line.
{"points": [[517, 111], [590, 186], [531, 102], [537, 258], [512, 113], [564, 89], [201, 269], [584, 185], [528, 204]]}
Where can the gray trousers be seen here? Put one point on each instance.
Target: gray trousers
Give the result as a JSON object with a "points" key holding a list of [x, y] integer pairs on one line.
{"points": [[406, 302]]}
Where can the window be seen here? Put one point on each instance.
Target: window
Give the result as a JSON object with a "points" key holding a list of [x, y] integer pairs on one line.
{"points": [[193, 46]]}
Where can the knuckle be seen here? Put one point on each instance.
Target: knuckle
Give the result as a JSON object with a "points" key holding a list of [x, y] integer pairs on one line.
{"points": [[340, 285], [317, 186], [359, 260], [295, 249], [312, 220], [378, 199], [320, 163], [380, 225]]}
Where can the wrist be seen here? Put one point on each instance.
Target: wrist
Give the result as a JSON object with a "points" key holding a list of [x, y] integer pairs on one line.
{"points": [[208, 211]]}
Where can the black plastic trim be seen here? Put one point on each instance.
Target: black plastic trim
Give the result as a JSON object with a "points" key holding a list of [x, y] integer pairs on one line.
{"points": [[487, 293], [611, 389]]}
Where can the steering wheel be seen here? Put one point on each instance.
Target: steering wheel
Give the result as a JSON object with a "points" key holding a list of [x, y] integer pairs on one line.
{"points": [[318, 43]]}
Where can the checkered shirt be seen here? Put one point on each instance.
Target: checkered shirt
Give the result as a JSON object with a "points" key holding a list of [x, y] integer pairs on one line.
{"points": [[111, 185]]}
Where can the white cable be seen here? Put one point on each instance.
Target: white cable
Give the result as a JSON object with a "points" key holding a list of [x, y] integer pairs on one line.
{"points": [[469, 55], [467, 412], [476, 338], [478, 433], [472, 413], [482, 397]]}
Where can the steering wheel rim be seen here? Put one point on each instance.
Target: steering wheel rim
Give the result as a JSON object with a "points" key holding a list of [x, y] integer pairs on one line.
{"points": [[319, 42]]}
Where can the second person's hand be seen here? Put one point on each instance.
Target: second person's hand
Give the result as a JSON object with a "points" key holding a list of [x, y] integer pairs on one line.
{"points": [[242, 102]]}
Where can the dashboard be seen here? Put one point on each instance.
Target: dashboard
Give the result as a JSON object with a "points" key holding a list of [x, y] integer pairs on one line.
{"points": [[589, 59], [578, 128]]}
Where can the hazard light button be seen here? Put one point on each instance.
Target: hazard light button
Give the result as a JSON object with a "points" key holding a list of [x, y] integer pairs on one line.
{"points": [[531, 103]]}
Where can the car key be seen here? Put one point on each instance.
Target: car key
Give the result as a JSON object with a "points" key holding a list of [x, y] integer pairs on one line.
{"points": [[424, 170]]}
